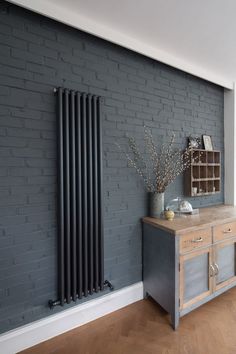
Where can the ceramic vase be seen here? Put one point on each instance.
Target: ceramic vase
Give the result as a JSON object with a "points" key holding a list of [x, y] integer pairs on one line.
{"points": [[156, 204]]}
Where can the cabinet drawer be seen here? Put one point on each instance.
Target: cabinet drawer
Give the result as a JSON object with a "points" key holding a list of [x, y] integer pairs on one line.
{"points": [[195, 239], [221, 232]]}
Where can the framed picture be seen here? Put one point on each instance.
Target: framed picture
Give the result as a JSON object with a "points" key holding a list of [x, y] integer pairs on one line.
{"points": [[207, 142], [194, 142]]}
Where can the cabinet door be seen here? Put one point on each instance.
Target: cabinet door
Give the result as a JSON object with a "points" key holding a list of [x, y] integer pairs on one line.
{"points": [[196, 273], [225, 263]]}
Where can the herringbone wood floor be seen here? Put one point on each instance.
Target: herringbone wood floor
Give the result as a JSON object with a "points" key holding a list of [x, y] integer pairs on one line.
{"points": [[143, 328]]}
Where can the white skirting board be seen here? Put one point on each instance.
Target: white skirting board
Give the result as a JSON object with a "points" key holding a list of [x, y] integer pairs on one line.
{"points": [[36, 332]]}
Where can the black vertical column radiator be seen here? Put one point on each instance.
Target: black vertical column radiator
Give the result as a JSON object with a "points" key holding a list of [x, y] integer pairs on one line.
{"points": [[80, 197]]}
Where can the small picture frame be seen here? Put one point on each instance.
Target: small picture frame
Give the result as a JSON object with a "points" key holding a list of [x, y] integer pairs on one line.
{"points": [[207, 142], [194, 142]]}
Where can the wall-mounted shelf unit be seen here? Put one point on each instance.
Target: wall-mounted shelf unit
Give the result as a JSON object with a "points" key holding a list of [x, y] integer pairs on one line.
{"points": [[204, 175]]}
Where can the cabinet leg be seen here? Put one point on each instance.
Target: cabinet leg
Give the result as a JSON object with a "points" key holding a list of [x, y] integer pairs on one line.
{"points": [[174, 320]]}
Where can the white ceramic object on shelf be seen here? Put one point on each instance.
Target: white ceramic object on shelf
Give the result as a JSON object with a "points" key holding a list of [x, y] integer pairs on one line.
{"points": [[185, 206]]}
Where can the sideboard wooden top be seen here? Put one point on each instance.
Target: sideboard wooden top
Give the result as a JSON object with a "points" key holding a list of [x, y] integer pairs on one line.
{"points": [[207, 217]]}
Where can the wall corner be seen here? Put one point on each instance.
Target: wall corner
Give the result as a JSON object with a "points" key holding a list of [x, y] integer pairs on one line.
{"points": [[229, 145]]}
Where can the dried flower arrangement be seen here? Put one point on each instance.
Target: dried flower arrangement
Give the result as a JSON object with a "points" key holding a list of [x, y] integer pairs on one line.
{"points": [[160, 168]]}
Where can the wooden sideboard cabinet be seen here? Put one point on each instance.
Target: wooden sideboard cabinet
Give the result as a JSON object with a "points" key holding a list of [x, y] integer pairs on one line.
{"points": [[189, 260]]}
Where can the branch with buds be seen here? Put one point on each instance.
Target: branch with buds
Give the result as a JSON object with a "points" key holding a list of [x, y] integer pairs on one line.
{"points": [[159, 168]]}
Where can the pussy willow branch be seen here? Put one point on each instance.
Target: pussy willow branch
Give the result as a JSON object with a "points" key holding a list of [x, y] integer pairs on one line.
{"points": [[160, 167], [138, 164]]}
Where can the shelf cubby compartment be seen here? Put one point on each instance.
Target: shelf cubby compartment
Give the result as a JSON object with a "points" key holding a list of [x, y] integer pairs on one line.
{"points": [[210, 186], [210, 171], [202, 157], [203, 187], [210, 157], [216, 157], [216, 186], [195, 157], [203, 172], [216, 172], [196, 172], [195, 188]]}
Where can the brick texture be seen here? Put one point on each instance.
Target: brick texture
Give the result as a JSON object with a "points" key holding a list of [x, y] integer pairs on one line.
{"points": [[37, 54]]}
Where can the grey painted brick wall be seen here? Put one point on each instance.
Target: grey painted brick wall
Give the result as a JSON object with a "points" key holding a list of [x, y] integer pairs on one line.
{"points": [[37, 54]]}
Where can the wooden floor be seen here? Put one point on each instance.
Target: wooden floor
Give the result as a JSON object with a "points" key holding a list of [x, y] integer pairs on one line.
{"points": [[143, 328]]}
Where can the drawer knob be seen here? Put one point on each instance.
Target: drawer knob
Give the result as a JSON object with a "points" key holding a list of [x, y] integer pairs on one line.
{"points": [[227, 231], [200, 239]]}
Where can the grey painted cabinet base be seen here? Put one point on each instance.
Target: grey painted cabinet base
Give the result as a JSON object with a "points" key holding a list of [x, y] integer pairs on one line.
{"points": [[183, 271]]}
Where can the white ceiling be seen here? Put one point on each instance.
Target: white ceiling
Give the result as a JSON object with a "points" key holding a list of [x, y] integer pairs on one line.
{"points": [[196, 36]]}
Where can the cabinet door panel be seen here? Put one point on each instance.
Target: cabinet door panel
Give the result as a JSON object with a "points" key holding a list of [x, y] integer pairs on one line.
{"points": [[225, 263], [195, 280]]}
